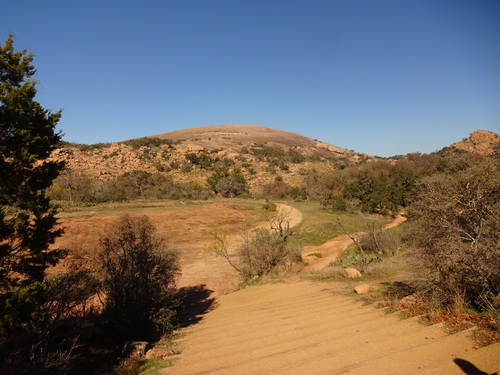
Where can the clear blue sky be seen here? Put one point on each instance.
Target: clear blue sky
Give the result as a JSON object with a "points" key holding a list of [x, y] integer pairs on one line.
{"points": [[377, 76]]}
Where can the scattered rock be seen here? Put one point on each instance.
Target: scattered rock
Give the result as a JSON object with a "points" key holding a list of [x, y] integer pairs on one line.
{"points": [[135, 348], [351, 273], [362, 289], [409, 301], [159, 353]]}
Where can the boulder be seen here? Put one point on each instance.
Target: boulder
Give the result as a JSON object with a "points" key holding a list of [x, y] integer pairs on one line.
{"points": [[362, 289], [410, 301], [351, 273], [159, 353], [135, 348]]}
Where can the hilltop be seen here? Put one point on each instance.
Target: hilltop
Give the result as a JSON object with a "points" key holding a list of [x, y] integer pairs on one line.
{"points": [[232, 137], [481, 142]]}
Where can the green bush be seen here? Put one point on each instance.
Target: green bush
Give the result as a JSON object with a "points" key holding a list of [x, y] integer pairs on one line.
{"points": [[149, 142], [455, 222], [139, 272], [226, 183]]}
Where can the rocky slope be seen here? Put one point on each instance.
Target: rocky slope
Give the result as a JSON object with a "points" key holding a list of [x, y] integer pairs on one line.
{"points": [[261, 153], [482, 142], [232, 137], [257, 150]]}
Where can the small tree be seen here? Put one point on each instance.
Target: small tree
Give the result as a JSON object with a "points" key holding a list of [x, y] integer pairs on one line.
{"points": [[139, 278], [265, 251], [27, 219], [228, 184]]}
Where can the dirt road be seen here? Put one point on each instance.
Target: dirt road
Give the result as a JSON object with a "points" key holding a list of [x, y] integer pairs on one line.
{"points": [[333, 249], [213, 272], [307, 328], [299, 327]]}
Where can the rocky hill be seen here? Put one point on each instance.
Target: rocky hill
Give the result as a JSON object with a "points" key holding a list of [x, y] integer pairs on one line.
{"points": [[232, 137], [482, 142], [261, 153]]}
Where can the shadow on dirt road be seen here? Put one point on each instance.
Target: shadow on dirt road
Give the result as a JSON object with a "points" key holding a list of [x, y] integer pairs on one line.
{"points": [[198, 301]]}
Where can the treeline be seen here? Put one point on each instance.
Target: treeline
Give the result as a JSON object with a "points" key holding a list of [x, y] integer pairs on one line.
{"points": [[79, 187], [383, 186], [74, 186], [134, 143]]}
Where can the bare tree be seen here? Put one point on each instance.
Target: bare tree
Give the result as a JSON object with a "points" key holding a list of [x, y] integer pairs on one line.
{"points": [[280, 222], [263, 250], [220, 245]]}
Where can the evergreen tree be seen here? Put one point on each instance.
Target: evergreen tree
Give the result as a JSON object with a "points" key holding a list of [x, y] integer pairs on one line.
{"points": [[27, 219]]}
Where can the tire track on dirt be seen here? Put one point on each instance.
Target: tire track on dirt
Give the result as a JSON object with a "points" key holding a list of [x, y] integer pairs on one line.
{"points": [[309, 328]]}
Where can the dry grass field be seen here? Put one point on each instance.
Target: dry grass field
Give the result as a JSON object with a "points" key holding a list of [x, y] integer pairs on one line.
{"points": [[186, 226]]}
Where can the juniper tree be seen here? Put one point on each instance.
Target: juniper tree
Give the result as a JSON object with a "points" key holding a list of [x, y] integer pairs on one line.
{"points": [[27, 218]]}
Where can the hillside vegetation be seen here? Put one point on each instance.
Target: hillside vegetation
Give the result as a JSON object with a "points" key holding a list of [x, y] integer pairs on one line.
{"points": [[228, 160]]}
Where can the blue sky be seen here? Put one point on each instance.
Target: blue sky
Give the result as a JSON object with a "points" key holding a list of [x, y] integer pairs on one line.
{"points": [[383, 77]]}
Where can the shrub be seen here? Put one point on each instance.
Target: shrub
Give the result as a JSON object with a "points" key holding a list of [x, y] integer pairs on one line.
{"points": [[333, 202], [263, 251], [277, 189], [202, 160], [269, 206], [149, 142], [228, 184], [455, 232], [139, 278]]}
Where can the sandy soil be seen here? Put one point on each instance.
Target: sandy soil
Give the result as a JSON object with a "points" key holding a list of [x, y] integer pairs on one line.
{"points": [[312, 328], [187, 228], [214, 272], [294, 327], [298, 327]]}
